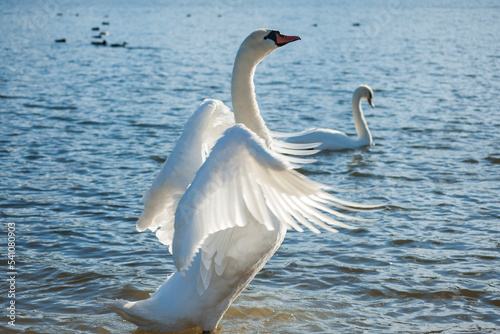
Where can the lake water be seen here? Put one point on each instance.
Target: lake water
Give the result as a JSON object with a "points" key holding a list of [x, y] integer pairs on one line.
{"points": [[84, 129]]}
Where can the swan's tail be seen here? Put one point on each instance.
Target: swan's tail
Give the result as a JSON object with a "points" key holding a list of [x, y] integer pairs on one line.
{"points": [[124, 309]]}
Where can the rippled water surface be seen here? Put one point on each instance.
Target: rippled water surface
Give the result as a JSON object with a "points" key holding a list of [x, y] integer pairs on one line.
{"points": [[84, 130]]}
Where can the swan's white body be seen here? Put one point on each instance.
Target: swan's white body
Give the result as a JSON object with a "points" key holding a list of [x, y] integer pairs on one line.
{"points": [[233, 202], [334, 140]]}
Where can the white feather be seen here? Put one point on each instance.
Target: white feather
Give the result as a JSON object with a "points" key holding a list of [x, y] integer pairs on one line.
{"points": [[202, 130], [272, 192]]}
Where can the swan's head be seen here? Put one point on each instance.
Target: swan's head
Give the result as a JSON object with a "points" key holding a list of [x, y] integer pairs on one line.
{"points": [[263, 42], [365, 92]]}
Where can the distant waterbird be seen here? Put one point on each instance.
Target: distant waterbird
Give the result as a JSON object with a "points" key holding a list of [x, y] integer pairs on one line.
{"points": [[103, 43], [116, 45]]}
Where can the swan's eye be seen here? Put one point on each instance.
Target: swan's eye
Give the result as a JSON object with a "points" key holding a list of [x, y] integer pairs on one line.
{"points": [[272, 36]]}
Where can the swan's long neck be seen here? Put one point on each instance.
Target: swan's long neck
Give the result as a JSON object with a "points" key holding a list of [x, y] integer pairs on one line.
{"points": [[245, 107], [359, 119]]}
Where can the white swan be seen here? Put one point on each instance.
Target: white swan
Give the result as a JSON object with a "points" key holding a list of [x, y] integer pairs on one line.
{"points": [[333, 140], [233, 202]]}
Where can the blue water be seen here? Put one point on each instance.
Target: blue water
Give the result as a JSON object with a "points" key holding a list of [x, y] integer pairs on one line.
{"points": [[84, 130]]}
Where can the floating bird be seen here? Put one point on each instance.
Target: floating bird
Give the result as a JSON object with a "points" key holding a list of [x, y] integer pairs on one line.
{"points": [[62, 40], [103, 43], [122, 45], [334, 140]]}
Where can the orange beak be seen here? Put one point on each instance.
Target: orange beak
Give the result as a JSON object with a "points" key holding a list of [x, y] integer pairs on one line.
{"points": [[284, 39]]}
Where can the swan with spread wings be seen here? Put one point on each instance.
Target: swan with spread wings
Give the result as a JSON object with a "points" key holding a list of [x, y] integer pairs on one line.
{"points": [[223, 202]]}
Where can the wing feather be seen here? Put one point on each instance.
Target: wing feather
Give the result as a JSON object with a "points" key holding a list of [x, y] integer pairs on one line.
{"points": [[295, 146], [278, 134], [200, 133], [243, 180], [285, 150]]}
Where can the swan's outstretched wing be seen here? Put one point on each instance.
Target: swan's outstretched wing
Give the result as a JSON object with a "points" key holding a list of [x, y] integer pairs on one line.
{"points": [[200, 133], [242, 178]]}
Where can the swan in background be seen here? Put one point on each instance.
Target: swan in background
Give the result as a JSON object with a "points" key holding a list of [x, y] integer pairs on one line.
{"points": [[333, 140], [222, 202]]}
